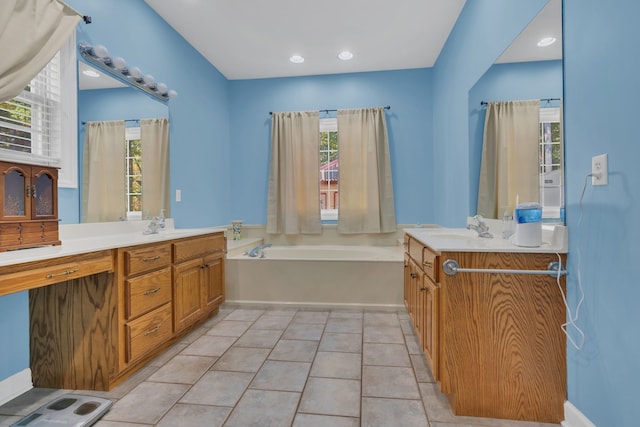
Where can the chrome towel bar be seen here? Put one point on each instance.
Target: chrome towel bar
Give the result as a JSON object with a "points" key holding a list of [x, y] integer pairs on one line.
{"points": [[451, 268]]}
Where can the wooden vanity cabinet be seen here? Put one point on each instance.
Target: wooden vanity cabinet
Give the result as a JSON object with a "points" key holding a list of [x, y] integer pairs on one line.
{"points": [[494, 341], [198, 277], [28, 206], [421, 298]]}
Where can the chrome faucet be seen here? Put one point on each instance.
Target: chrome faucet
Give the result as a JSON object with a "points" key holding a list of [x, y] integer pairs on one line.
{"points": [[258, 250], [480, 227], [154, 226]]}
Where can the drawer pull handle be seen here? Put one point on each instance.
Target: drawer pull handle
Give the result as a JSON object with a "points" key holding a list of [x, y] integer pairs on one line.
{"points": [[413, 275], [152, 331], [64, 273], [423, 289], [151, 291], [427, 264], [153, 258]]}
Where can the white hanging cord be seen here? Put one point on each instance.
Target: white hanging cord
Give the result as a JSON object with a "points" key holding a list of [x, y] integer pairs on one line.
{"points": [[573, 318]]}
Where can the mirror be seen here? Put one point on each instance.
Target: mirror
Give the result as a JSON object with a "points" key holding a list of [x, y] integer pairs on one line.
{"points": [[104, 98], [525, 71]]}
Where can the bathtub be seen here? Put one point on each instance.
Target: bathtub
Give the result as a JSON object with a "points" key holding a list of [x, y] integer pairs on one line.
{"points": [[318, 275]]}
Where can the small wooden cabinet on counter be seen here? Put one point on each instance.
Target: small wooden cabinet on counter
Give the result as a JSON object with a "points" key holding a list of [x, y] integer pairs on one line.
{"points": [[28, 206], [494, 341], [95, 318]]}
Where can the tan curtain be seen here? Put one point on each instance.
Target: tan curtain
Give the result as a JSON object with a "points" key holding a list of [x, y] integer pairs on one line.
{"points": [[293, 205], [366, 190], [31, 33], [154, 137], [103, 186], [510, 159]]}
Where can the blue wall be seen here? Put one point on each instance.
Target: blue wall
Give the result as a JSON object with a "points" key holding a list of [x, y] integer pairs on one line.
{"points": [[505, 82], [14, 334], [482, 32], [408, 92], [601, 116]]}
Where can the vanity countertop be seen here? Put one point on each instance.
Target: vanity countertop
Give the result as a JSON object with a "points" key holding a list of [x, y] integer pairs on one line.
{"points": [[441, 239], [84, 238]]}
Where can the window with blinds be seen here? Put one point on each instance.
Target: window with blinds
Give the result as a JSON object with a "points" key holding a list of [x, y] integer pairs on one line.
{"points": [[30, 124]]}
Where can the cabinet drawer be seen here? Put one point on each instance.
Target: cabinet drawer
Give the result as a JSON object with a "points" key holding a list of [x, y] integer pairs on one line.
{"points": [[429, 264], [149, 331], [198, 246], [147, 259], [61, 272], [147, 292]]}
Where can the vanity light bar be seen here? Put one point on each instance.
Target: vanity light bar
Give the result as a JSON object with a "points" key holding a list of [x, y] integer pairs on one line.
{"points": [[98, 55]]}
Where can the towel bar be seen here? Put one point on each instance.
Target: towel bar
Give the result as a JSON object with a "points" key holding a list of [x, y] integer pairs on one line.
{"points": [[451, 268]]}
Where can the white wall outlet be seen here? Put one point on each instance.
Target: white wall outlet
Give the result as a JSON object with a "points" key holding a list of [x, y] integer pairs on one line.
{"points": [[600, 170], [178, 195]]}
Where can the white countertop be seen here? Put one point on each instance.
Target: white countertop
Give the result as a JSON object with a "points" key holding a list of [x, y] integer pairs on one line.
{"points": [[554, 239], [84, 238]]}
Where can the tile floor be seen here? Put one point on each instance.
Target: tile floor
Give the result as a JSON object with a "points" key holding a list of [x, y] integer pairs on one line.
{"points": [[281, 367]]}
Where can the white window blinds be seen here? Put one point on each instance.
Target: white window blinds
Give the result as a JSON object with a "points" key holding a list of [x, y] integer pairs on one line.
{"points": [[30, 124]]}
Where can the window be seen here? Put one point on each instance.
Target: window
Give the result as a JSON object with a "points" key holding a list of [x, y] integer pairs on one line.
{"points": [[329, 169], [30, 124], [551, 163], [133, 171]]}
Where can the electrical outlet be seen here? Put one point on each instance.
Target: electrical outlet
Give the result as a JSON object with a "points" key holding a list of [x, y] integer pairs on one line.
{"points": [[600, 169], [178, 195]]}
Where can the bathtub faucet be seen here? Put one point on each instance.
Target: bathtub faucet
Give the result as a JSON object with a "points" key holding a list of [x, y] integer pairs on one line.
{"points": [[258, 250]]}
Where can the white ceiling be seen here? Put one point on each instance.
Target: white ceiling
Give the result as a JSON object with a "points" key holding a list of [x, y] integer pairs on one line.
{"points": [[254, 38]]}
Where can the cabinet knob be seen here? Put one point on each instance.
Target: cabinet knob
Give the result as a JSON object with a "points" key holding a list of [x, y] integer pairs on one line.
{"points": [[413, 275], [423, 289]]}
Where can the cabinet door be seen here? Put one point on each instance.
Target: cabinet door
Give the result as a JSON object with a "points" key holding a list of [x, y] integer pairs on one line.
{"points": [[16, 192], [407, 283], [187, 293], [44, 194], [213, 282], [431, 315]]}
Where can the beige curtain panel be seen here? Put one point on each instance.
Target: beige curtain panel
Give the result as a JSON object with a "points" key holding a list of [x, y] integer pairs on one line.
{"points": [[366, 190], [154, 137], [293, 204], [510, 161], [31, 33], [103, 186]]}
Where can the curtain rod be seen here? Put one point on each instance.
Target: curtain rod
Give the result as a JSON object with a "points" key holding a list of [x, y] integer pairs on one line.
{"points": [[542, 99], [386, 107], [125, 120]]}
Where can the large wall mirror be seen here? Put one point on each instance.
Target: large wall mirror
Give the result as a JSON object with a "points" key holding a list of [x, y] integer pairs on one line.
{"points": [[102, 98], [526, 71]]}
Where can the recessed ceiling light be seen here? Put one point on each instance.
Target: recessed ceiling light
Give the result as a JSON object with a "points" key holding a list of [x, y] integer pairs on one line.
{"points": [[296, 59], [90, 73], [345, 55], [547, 41]]}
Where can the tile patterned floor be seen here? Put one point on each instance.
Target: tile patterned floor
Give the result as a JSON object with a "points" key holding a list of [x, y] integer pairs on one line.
{"points": [[281, 367]]}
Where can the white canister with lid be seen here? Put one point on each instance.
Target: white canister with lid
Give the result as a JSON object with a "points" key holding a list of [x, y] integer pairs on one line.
{"points": [[528, 219]]}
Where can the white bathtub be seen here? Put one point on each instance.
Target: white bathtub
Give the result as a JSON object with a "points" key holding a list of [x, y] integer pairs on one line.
{"points": [[318, 275]]}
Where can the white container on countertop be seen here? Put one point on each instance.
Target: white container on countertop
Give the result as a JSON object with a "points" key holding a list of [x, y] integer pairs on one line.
{"points": [[528, 230]]}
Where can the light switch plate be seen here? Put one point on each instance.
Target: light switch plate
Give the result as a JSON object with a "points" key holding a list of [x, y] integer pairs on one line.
{"points": [[599, 165], [178, 195]]}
